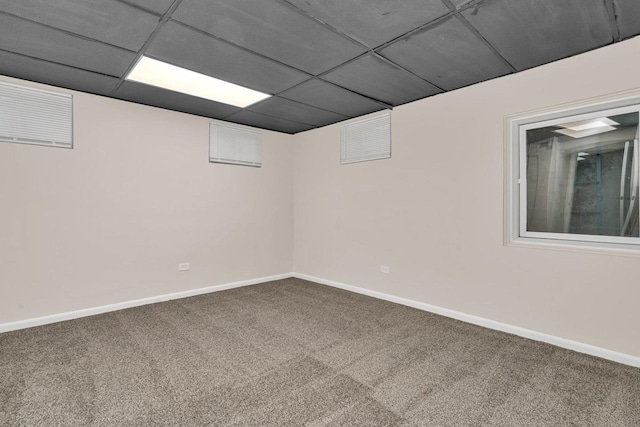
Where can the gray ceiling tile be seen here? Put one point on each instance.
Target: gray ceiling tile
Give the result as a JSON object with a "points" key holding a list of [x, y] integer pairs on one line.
{"points": [[448, 55], [193, 50], [628, 17], [55, 42], [374, 22], [272, 29], [295, 111], [54, 74], [459, 3], [533, 32], [90, 18], [377, 79], [20, 36], [330, 97], [149, 95], [262, 121], [157, 6]]}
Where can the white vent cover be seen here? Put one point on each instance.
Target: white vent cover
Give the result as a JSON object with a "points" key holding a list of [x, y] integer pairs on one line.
{"points": [[33, 116], [229, 144], [368, 139]]}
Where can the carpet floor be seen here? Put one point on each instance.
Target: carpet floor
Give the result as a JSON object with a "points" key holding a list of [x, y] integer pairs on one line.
{"points": [[293, 353]]}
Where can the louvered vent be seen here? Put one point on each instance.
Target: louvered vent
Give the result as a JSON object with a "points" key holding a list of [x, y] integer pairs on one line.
{"points": [[229, 144], [368, 139], [33, 116]]}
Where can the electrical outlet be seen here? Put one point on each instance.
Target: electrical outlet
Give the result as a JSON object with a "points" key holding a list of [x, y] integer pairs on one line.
{"points": [[185, 266], [385, 269]]}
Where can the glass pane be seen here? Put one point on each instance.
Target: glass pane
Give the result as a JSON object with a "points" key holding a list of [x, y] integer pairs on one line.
{"points": [[582, 176]]}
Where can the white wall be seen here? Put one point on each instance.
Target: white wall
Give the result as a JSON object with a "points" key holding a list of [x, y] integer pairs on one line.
{"points": [[110, 220], [434, 211]]}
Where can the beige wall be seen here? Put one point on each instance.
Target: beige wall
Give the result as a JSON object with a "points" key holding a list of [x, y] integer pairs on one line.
{"points": [[110, 220], [434, 211]]}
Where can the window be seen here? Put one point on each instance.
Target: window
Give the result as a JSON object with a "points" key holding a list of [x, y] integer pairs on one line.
{"points": [[34, 116], [368, 139], [575, 177], [234, 145]]}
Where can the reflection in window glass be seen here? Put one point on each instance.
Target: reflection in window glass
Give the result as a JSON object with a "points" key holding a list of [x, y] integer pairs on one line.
{"points": [[582, 176]]}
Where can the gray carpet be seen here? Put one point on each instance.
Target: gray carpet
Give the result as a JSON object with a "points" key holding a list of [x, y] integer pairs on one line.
{"points": [[290, 353]]}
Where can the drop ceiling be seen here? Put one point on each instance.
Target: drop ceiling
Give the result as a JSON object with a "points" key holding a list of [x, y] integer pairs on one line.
{"points": [[324, 61]]}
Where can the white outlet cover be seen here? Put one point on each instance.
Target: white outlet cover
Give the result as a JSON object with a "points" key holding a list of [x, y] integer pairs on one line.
{"points": [[184, 266], [385, 269]]}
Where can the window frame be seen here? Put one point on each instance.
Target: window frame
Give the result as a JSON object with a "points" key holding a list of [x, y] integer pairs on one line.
{"points": [[239, 131], [364, 125], [516, 127], [35, 91]]}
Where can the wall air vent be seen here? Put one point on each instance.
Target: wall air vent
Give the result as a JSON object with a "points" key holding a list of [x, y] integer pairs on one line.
{"points": [[34, 116], [234, 145], [368, 139]]}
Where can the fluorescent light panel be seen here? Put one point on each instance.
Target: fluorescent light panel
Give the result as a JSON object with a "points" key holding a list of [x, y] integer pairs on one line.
{"points": [[167, 76], [590, 124], [584, 128], [586, 132]]}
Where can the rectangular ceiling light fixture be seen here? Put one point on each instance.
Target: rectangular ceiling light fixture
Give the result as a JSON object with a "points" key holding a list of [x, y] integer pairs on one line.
{"points": [[590, 124], [167, 76], [584, 128], [586, 132]]}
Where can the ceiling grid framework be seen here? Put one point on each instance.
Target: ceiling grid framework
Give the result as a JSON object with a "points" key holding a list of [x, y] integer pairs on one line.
{"points": [[323, 61]]}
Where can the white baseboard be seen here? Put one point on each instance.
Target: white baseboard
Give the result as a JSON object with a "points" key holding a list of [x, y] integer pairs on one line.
{"points": [[476, 320], [28, 323], [615, 356]]}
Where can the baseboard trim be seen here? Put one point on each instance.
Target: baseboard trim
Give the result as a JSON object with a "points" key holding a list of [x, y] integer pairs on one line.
{"points": [[615, 356], [54, 318]]}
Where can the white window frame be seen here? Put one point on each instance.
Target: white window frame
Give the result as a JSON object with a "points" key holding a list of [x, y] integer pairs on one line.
{"points": [[45, 98], [516, 128], [253, 140], [365, 125]]}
